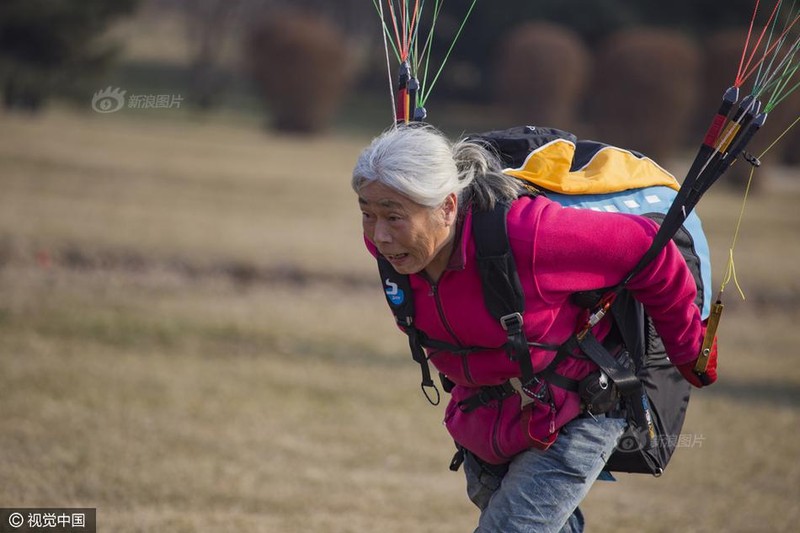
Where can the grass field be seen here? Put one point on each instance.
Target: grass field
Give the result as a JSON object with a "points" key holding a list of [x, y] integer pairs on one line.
{"points": [[192, 338]]}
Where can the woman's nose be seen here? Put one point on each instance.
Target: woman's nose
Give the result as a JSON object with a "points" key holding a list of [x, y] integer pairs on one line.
{"points": [[382, 233]]}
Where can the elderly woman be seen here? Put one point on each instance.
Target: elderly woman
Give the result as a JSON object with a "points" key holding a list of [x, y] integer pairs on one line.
{"points": [[531, 463]]}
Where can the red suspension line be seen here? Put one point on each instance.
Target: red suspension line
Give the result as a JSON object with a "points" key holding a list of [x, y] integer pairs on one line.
{"points": [[770, 50], [396, 31], [740, 79]]}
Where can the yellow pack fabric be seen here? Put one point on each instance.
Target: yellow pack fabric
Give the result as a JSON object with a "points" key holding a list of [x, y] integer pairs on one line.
{"points": [[610, 169]]}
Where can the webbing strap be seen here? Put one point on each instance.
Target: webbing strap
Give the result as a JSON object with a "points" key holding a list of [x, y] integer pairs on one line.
{"points": [[624, 378], [397, 288], [517, 346], [486, 395], [451, 348], [630, 388], [418, 354], [532, 387], [549, 373], [502, 290]]}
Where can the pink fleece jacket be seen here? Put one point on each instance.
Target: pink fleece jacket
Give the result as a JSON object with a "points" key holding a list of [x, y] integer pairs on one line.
{"points": [[558, 251]]}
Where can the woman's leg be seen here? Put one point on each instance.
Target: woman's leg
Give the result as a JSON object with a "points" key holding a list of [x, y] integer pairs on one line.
{"points": [[540, 491]]}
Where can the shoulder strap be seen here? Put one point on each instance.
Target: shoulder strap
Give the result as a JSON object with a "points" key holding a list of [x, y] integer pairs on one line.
{"points": [[397, 289], [502, 290]]}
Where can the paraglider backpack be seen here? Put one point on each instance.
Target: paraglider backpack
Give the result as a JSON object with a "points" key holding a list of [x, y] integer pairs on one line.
{"points": [[637, 380]]}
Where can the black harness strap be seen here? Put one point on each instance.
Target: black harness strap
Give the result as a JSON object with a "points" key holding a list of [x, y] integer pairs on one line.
{"points": [[418, 354], [502, 290], [626, 381], [567, 349], [487, 395], [397, 288], [630, 388], [452, 348]]}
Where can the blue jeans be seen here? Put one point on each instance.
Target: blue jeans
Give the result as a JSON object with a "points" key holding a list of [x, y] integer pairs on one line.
{"points": [[539, 491]]}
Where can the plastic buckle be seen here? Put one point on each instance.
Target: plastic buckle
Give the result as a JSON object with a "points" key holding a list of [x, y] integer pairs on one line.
{"points": [[750, 158], [512, 323], [517, 345]]}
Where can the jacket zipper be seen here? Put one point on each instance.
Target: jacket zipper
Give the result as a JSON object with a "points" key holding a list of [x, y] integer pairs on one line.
{"points": [[443, 318], [495, 430]]}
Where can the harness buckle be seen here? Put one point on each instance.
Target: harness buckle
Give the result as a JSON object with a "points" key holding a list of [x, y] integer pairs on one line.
{"points": [[517, 345], [512, 323], [526, 393]]}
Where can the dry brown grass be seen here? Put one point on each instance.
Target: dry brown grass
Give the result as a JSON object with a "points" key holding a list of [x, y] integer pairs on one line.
{"points": [[203, 346]]}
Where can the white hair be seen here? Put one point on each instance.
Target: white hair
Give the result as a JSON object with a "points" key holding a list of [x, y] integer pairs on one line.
{"points": [[419, 162]]}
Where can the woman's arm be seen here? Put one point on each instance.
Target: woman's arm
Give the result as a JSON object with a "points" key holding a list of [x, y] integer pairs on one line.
{"points": [[576, 250]]}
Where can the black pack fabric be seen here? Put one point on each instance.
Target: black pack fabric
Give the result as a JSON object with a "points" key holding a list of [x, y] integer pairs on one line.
{"points": [[513, 145], [667, 391]]}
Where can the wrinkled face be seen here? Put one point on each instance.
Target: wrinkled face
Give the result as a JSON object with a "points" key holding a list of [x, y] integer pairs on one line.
{"points": [[411, 236]]}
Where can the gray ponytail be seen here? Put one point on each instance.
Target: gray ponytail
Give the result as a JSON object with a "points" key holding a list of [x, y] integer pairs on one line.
{"points": [[421, 163], [483, 171]]}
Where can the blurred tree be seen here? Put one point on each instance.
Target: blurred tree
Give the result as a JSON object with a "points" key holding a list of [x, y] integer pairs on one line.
{"points": [[698, 17], [541, 74], [46, 42], [644, 91], [211, 25], [302, 66], [208, 24]]}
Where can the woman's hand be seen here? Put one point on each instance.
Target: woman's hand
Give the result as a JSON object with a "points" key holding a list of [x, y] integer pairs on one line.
{"points": [[701, 379]]}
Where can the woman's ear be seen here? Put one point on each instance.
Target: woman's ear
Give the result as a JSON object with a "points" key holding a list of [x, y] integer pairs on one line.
{"points": [[450, 209]]}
